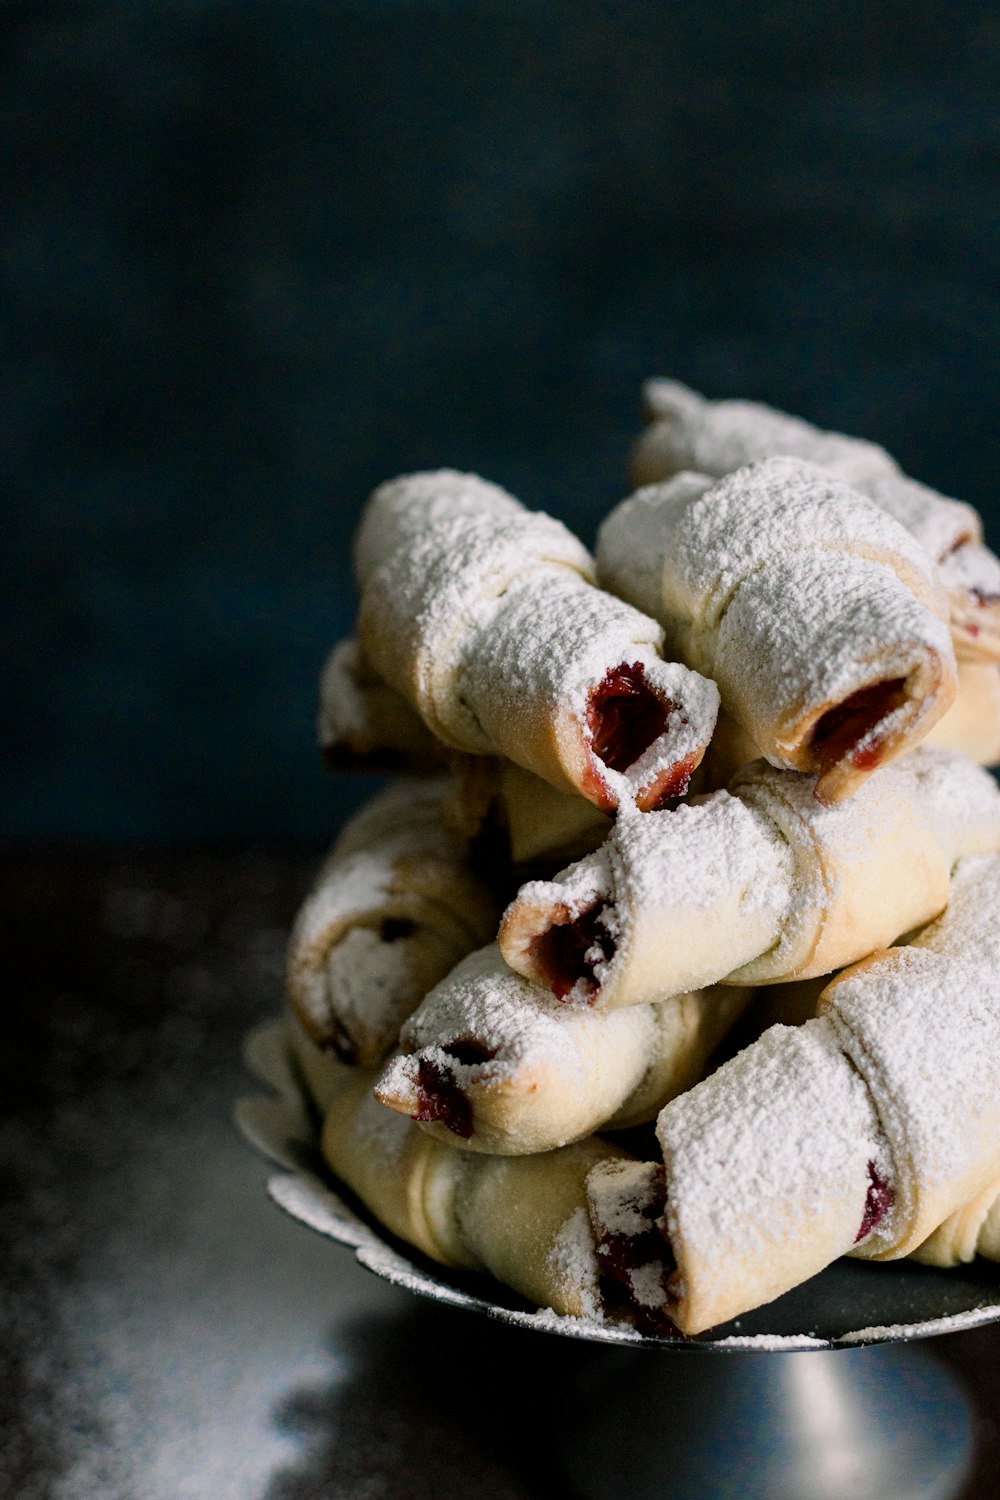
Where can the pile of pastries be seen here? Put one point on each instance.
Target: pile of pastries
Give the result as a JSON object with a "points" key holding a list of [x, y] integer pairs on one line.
{"points": [[667, 970]]}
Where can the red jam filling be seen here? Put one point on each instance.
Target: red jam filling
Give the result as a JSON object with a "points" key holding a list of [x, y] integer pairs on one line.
{"points": [[624, 716], [440, 1097], [846, 730], [878, 1202], [566, 953], [673, 782], [618, 1255]]}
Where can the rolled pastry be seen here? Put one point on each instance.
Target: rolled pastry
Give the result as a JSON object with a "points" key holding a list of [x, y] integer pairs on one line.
{"points": [[363, 725], [755, 885], [483, 615], [491, 1062], [819, 616], [394, 907], [686, 431], [922, 1024], [858, 1132], [970, 726], [715, 437], [971, 575], [522, 1218]]}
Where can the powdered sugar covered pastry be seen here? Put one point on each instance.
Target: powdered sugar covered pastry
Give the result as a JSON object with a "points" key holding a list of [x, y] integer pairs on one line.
{"points": [[971, 726], [755, 885], [522, 1218], [772, 1170], [858, 1132], [363, 725], [971, 575], [922, 1026], [686, 431], [484, 616], [394, 907], [819, 616], [492, 1062]]}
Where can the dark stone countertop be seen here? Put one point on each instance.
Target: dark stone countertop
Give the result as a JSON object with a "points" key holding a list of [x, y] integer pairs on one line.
{"points": [[166, 1332]]}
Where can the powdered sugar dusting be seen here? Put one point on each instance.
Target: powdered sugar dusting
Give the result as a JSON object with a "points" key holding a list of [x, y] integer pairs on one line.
{"points": [[939, 523], [567, 636], [927, 810], [975, 569], [882, 1333], [761, 514], [539, 1073], [794, 592], [620, 1194], [484, 616], [716, 437], [483, 999], [393, 907], [574, 1263], [776, 1343], [767, 1164], [686, 895], [922, 1025]]}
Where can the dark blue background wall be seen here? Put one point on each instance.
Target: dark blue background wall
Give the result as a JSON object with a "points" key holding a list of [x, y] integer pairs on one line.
{"points": [[257, 258]]}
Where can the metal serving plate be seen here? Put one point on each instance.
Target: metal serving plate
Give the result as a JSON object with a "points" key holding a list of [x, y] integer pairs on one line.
{"points": [[851, 1303]]}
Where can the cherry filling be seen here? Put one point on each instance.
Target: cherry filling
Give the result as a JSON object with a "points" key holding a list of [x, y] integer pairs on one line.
{"points": [[624, 716], [567, 953], [621, 1255], [440, 1097], [878, 1202], [846, 730]]}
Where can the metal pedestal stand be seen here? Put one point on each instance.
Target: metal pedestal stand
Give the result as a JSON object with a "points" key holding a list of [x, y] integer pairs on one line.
{"points": [[855, 1424]]}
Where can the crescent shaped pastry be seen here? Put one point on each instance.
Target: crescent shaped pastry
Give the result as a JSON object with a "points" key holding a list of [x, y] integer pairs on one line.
{"points": [[971, 575], [363, 725], [394, 907], [491, 1062], [820, 618], [686, 431], [484, 617], [755, 885], [921, 1024], [859, 1132], [524, 1219], [971, 726]]}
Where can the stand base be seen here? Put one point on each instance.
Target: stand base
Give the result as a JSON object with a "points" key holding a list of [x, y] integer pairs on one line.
{"points": [[888, 1423]]}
